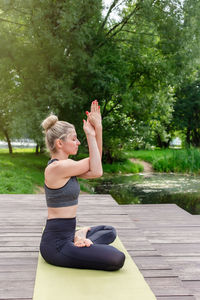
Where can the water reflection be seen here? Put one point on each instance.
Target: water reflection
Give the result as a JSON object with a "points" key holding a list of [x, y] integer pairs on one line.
{"points": [[184, 190]]}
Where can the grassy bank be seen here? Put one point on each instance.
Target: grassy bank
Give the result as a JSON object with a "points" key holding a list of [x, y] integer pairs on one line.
{"points": [[21, 172], [122, 167], [170, 160]]}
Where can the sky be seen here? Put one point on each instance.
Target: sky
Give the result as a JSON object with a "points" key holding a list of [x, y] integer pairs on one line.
{"points": [[107, 3]]}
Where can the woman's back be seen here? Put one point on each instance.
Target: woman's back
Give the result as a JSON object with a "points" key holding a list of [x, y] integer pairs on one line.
{"points": [[63, 199]]}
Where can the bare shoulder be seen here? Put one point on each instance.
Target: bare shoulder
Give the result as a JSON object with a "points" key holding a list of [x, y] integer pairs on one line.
{"points": [[67, 167], [52, 166]]}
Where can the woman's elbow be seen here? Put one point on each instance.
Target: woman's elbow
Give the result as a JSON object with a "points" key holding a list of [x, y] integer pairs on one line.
{"points": [[98, 174]]}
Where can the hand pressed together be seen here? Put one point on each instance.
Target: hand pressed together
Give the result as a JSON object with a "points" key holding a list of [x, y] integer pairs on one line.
{"points": [[94, 116], [88, 128]]}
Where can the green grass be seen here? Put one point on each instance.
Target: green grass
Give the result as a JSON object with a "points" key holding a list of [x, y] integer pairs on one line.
{"points": [[122, 167], [19, 150], [170, 160], [21, 172], [150, 155]]}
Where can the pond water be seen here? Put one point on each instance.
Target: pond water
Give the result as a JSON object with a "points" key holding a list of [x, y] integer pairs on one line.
{"points": [[183, 190]]}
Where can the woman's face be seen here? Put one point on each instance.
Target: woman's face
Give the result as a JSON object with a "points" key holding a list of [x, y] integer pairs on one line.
{"points": [[71, 143]]}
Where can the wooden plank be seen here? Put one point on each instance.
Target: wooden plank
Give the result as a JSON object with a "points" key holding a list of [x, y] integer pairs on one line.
{"points": [[21, 230], [137, 245], [19, 249], [149, 253], [19, 255], [178, 249], [173, 239], [188, 259], [96, 222], [187, 270], [13, 244], [167, 286], [196, 217], [153, 263], [15, 290], [170, 291], [104, 218], [156, 210], [17, 275], [18, 268], [21, 260], [19, 234], [171, 231], [193, 285], [165, 223], [164, 281], [159, 273]]}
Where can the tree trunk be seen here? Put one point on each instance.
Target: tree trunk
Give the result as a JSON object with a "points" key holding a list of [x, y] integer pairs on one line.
{"points": [[42, 147], [188, 137], [166, 144], [37, 149], [8, 140], [159, 142], [107, 157], [195, 138]]}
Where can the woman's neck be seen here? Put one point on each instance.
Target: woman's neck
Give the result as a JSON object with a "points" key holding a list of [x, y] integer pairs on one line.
{"points": [[59, 156]]}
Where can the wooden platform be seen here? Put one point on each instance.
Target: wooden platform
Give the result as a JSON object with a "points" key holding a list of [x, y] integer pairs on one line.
{"points": [[163, 240]]}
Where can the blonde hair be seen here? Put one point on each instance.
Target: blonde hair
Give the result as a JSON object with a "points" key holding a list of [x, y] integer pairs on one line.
{"points": [[54, 129]]}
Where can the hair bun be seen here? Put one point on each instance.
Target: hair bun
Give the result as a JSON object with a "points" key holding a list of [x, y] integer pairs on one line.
{"points": [[49, 122]]}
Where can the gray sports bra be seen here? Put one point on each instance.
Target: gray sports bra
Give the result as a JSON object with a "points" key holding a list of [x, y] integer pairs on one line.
{"points": [[67, 195]]}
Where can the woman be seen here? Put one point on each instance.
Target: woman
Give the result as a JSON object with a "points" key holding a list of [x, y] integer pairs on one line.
{"points": [[61, 245]]}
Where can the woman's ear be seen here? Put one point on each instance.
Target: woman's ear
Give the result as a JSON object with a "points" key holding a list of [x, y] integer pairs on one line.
{"points": [[58, 143]]}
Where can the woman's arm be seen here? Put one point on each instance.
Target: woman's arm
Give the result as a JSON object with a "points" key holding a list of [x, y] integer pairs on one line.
{"points": [[95, 159], [98, 131], [95, 165]]}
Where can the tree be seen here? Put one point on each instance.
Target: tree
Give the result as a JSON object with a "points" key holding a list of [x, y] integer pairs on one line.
{"points": [[8, 100], [186, 114], [187, 111], [53, 57], [65, 54], [149, 44]]}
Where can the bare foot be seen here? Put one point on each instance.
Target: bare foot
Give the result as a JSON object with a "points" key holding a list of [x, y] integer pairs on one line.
{"points": [[80, 239]]}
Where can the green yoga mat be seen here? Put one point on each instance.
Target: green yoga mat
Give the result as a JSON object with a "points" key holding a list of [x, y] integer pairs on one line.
{"points": [[61, 283]]}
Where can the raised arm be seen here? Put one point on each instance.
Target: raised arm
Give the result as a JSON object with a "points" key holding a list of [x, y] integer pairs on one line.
{"points": [[95, 165], [99, 139]]}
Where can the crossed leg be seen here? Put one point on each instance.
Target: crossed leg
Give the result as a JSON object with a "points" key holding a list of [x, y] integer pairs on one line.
{"points": [[102, 234]]}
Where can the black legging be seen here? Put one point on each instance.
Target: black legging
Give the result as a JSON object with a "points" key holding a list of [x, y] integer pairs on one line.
{"points": [[57, 246]]}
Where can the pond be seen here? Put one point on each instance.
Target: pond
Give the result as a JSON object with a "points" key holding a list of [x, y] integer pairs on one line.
{"points": [[183, 190]]}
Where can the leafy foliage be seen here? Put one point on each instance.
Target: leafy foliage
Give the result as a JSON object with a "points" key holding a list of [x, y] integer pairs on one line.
{"points": [[59, 55]]}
